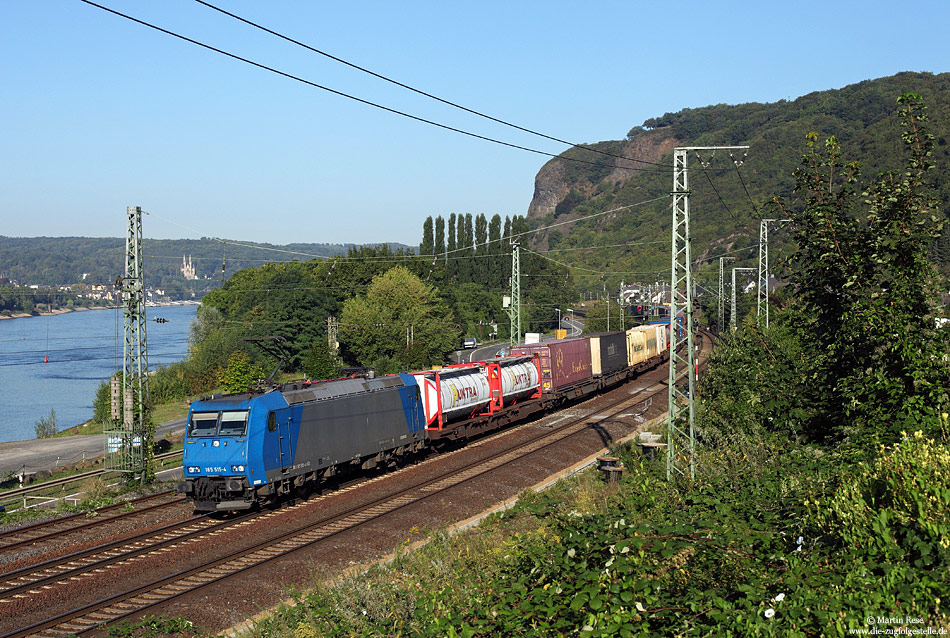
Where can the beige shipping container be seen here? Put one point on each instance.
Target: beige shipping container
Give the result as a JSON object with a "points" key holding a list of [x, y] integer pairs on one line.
{"points": [[642, 343], [636, 346]]}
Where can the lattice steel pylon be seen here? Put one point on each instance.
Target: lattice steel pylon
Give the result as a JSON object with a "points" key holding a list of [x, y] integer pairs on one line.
{"points": [[722, 295], [681, 429], [514, 308], [762, 295], [129, 441]]}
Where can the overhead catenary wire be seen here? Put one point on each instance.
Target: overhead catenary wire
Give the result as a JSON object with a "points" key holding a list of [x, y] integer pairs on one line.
{"points": [[718, 195], [348, 96], [421, 92], [745, 188], [411, 256]]}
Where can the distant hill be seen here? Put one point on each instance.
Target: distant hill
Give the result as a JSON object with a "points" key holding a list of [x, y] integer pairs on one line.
{"points": [[55, 261], [725, 204]]}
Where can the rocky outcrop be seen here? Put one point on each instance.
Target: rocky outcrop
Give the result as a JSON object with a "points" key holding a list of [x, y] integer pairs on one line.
{"points": [[554, 181]]}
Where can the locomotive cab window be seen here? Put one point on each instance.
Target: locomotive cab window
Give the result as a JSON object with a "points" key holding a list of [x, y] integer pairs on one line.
{"points": [[233, 423], [203, 424], [271, 421]]}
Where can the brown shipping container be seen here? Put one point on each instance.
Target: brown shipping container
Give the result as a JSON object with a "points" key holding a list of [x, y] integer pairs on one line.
{"points": [[563, 362], [608, 352]]}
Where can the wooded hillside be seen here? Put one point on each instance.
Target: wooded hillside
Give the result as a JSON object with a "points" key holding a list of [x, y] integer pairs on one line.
{"points": [[726, 201]]}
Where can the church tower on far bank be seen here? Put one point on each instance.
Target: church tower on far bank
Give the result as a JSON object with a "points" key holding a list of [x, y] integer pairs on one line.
{"points": [[187, 268]]}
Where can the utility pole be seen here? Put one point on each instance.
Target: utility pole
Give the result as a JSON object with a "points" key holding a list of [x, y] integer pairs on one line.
{"points": [[722, 294], [762, 295], [513, 305], [681, 437], [332, 343], [732, 318], [129, 441]]}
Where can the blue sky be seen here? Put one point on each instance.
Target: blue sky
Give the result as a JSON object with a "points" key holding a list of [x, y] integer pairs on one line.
{"points": [[100, 113]]}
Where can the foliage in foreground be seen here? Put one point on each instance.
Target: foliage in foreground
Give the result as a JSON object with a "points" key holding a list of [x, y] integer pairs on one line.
{"points": [[762, 544], [866, 292]]}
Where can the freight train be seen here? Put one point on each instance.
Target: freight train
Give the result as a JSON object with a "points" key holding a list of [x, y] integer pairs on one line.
{"points": [[248, 449]]}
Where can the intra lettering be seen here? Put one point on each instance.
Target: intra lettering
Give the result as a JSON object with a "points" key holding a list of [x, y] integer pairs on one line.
{"points": [[465, 392]]}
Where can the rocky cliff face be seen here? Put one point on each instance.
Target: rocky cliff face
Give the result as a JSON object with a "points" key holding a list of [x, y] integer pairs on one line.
{"points": [[556, 179]]}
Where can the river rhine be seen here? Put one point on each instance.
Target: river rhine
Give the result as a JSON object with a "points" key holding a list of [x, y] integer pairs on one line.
{"points": [[82, 350]]}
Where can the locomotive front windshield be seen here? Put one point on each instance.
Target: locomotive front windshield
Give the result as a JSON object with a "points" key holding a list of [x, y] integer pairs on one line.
{"points": [[226, 423], [233, 423]]}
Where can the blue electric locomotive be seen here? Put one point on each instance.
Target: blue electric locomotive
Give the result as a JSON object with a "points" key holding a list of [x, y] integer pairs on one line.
{"points": [[250, 448]]}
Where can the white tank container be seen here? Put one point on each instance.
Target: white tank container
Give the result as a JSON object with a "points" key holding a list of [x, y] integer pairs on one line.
{"points": [[518, 379]]}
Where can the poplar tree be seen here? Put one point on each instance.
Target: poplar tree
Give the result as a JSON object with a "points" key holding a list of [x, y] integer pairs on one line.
{"points": [[428, 242], [451, 264], [481, 270], [493, 249], [439, 236]]}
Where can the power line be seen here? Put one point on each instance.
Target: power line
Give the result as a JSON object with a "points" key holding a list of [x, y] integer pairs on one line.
{"points": [[748, 194], [443, 255], [421, 92], [296, 78], [716, 190]]}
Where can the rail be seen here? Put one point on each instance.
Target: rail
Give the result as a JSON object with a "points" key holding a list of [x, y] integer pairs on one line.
{"points": [[26, 493]]}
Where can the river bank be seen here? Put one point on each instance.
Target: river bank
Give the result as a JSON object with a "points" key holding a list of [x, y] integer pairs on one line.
{"points": [[63, 311]]}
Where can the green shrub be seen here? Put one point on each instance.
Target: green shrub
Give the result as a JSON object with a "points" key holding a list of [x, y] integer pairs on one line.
{"points": [[895, 508], [45, 427]]}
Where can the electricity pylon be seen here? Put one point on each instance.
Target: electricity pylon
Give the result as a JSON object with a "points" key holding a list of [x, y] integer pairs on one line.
{"points": [[129, 442], [681, 437], [762, 296], [722, 294], [513, 307]]}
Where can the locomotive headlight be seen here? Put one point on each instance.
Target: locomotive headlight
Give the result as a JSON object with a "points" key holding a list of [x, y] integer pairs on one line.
{"points": [[237, 468]]}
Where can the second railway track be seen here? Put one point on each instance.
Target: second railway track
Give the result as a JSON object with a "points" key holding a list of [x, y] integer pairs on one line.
{"points": [[162, 589]]}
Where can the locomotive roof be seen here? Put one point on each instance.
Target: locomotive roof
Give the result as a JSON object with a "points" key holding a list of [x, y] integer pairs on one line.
{"points": [[341, 387]]}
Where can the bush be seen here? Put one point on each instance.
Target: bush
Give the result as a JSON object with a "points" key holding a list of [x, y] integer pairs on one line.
{"points": [[46, 426], [896, 507], [102, 404]]}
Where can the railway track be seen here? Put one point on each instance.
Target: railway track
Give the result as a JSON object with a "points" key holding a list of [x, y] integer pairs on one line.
{"points": [[145, 597], [138, 600], [47, 530], [15, 495]]}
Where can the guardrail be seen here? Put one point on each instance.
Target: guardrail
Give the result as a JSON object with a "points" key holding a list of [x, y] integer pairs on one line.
{"points": [[26, 493]]}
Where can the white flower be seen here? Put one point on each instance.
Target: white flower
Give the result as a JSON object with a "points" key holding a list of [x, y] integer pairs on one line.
{"points": [[801, 539], [779, 598], [769, 612]]}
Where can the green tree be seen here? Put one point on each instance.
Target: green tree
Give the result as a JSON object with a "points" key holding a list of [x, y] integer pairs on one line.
{"points": [[481, 269], [494, 248], [400, 323], [867, 291], [428, 241], [319, 362], [451, 264], [240, 373]]}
